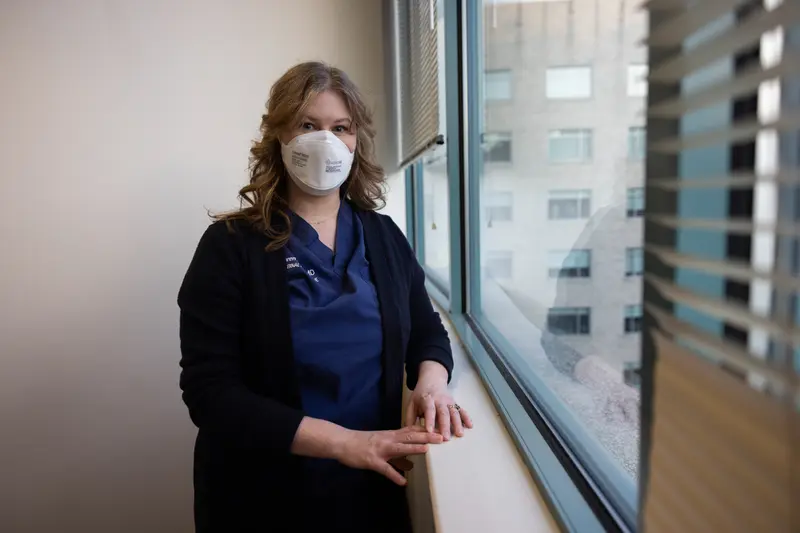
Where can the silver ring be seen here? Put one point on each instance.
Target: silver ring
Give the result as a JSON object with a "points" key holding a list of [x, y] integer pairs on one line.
{"points": [[454, 406]]}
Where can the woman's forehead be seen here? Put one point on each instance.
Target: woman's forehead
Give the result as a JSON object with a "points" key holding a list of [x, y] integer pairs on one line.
{"points": [[327, 106]]}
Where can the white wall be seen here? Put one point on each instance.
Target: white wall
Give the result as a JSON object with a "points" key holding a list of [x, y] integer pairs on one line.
{"points": [[120, 122]]}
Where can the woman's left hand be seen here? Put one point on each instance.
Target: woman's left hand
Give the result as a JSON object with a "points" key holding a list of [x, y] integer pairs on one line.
{"points": [[432, 401]]}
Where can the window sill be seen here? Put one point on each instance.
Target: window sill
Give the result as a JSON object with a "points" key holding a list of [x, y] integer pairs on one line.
{"points": [[479, 482]]}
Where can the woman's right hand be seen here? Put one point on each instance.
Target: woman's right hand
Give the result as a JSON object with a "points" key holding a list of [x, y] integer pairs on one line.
{"points": [[372, 450]]}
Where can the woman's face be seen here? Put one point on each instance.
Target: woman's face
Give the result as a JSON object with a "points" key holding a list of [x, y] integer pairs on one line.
{"points": [[326, 111]]}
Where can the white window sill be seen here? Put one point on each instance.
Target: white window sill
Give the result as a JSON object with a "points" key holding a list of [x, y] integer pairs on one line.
{"points": [[477, 483]]}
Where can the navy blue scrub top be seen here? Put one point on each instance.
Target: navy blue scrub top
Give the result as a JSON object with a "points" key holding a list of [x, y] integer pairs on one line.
{"points": [[336, 324]]}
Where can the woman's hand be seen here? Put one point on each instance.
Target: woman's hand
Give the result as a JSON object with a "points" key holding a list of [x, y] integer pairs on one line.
{"points": [[373, 450], [431, 400]]}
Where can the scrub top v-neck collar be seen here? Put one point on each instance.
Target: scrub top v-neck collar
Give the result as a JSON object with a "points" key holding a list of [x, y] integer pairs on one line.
{"points": [[345, 244]]}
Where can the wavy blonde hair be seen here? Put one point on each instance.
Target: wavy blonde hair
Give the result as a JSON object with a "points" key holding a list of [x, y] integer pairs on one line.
{"points": [[264, 200]]}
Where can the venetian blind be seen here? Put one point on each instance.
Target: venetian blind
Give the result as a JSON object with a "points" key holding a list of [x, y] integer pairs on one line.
{"points": [[721, 267], [418, 76]]}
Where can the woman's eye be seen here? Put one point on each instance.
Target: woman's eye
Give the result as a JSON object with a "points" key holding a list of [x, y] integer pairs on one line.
{"points": [[340, 129], [306, 126]]}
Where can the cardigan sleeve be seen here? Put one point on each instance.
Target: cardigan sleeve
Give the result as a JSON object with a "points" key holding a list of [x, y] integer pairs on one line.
{"points": [[210, 301], [428, 340]]}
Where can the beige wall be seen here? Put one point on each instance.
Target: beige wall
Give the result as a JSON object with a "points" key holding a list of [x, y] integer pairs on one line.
{"points": [[119, 122]]}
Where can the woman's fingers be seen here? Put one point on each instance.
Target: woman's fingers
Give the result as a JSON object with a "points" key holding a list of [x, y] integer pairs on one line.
{"points": [[443, 419], [401, 449], [430, 413], [455, 420], [465, 418], [418, 435], [388, 470]]}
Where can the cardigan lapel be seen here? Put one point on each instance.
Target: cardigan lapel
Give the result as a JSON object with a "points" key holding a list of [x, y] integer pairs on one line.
{"points": [[385, 286]]}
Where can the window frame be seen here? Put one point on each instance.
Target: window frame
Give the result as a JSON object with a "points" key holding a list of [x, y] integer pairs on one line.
{"points": [[560, 458]]}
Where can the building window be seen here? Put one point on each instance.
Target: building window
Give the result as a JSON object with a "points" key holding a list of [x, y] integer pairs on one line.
{"points": [[569, 320], [499, 207], [633, 318], [635, 202], [567, 83], [637, 80], [497, 86], [569, 146], [499, 264], [571, 264], [569, 204], [634, 262], [637, 143], [497, 147]]}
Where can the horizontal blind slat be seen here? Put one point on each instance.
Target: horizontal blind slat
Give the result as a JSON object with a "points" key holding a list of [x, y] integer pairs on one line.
{"points": [[742, 131], [724, 45], [731, 269], [739, 180], [734, 226], [689, 21], [745, 82], [724, 351], [724, 309]]}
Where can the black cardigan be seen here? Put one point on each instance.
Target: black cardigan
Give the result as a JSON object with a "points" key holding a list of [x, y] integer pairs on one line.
{"points": [[238, 377]]}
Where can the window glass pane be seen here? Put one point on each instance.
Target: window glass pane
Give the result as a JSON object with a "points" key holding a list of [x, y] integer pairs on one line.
{"points": [[637, 80], [497, 85], [636, 143], [433, 173], [568, 82], [560, 308], [570, 146]]}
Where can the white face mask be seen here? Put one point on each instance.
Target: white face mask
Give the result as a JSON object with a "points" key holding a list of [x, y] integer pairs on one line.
{"points": [[318, 162]]}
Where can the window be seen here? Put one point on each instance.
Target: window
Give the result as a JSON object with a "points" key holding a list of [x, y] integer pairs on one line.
{"points": [[569, 205], [633, 318], [497, 147], [637, 81], [635, 202], [634, 263], [499, 264], [551, 371], [499, 207], [497, 85], [566, 83], [571, 264], [569, 320], [537, 298], [637, 145], [569, 146]]}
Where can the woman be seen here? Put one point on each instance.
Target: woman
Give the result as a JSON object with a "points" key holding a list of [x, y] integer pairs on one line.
{"points": [[300, 313]]}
